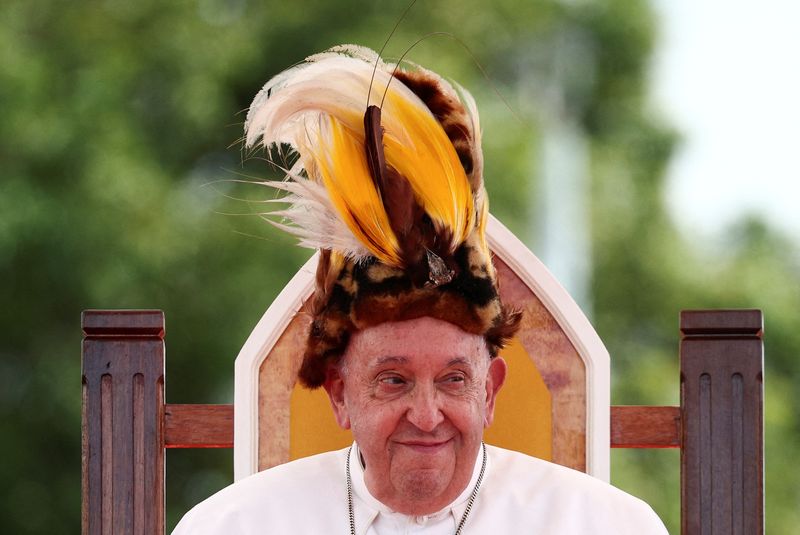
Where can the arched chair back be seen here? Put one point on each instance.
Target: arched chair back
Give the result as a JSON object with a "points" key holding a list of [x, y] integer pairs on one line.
{"points": [[555, 404]]}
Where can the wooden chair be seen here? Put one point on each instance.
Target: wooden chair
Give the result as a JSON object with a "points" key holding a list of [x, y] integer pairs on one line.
{"points": [[556, 404]]}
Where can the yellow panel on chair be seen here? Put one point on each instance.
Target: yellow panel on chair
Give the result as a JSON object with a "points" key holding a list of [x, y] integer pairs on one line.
{"points": [[312, 427], [523, 416]]}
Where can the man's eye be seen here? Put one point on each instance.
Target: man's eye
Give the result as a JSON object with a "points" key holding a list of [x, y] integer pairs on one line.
{"points": [[455, 378], [392, 380]]}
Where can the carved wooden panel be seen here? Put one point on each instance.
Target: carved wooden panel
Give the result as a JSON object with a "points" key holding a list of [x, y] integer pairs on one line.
{"points": [[722, 398], [122, 415], [277, 377], [559, 364]]}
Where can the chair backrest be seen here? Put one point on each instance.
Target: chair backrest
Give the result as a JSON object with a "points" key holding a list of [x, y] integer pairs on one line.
{"points": [[555, 404]]}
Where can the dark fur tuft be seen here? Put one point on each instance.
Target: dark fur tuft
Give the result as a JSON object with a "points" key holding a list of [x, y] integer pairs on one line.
{"points": [[504, 329]]}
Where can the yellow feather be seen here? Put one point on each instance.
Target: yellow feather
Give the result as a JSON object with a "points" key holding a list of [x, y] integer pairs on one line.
{"points": [[430, 164], [343, 169]]}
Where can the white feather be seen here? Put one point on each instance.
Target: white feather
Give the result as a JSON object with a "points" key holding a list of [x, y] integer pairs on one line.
{"points": [[312, 218]]}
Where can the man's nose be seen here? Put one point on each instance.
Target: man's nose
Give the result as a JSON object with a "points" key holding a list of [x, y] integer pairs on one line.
{"points": [[424, 412]]}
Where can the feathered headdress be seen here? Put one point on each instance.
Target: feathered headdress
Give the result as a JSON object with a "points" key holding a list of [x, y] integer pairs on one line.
{"points": [[392, 196]]}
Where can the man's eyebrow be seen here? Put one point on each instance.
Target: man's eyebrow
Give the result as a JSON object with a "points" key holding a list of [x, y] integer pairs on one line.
{"points": [[459, 360], [389, 359]]}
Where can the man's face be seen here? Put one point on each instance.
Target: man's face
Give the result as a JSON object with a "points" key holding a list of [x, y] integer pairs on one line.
{"points": [[417, 395]]}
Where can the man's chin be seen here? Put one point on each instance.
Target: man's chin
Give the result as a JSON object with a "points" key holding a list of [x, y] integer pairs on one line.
{"points": [[423, 491], [423, 461]]}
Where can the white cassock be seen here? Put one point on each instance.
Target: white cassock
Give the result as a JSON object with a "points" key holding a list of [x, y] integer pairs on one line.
{"points": [[519, 494]]}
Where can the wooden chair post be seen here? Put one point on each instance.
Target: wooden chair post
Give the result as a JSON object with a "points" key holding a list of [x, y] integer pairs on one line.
{"points": [[122, 419], [722, 361]]}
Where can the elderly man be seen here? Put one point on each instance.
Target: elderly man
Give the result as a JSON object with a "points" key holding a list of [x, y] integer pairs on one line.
{"points": [[407, 323]]}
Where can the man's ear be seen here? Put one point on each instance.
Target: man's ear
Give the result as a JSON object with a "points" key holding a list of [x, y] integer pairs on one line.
{"points": [[334, 386], [495, 378]]}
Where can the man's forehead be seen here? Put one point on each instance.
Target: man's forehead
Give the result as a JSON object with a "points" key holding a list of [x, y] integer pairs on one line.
{"points": [[397, 360], [425, 324], [423, 340], [425, 332]]}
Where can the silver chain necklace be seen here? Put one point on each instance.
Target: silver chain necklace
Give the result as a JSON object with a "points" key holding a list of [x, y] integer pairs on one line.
{"points": [[463, 517]]}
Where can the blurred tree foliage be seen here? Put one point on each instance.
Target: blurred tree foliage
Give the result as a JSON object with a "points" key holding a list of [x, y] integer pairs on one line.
{"points": [[119, 147]]}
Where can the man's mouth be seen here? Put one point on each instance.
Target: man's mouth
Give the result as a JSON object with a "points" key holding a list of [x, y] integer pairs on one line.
{"points": [[425, 446]]}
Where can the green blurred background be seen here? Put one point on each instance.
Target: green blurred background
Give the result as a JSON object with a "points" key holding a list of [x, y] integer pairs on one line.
{"points": [[119, 151]]}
